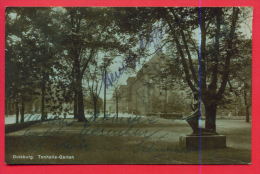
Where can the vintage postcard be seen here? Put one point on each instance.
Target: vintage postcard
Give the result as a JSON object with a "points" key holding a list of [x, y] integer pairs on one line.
{"points": [[128, 85]]}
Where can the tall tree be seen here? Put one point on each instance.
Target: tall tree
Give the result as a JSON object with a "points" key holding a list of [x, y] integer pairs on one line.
{"points": [[20, 67], [86, 31], [30, 47], [204, 39], [210, 63], [240, 77], [94, 77]]}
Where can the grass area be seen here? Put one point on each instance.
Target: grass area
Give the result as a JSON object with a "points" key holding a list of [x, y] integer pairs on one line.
{"points": [[141, 145]]}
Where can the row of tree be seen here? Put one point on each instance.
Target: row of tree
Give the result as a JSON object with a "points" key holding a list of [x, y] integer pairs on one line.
{"points": [[50, 50], [55, 52]]}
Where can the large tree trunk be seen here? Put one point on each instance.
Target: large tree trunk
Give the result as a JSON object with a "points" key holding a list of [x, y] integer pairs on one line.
{"points": [[246, 105], [210, 113], [247, 114], [43, 91], [81, 114], [80, 101], [22, 111], [75, 107], [75, 91], [95, 107], [17, 112], [78, 92], [6, 107], [116, 106], [105, 89]]}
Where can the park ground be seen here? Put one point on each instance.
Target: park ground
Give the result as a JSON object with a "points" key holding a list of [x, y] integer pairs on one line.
{"points": [[126, 140]]}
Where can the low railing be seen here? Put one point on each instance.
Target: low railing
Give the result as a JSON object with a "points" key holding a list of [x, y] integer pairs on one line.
{"points": [[167, 115]]}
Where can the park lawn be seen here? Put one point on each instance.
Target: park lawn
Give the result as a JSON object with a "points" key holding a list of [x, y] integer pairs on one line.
{"points": [[115, 150], [128, 149]]}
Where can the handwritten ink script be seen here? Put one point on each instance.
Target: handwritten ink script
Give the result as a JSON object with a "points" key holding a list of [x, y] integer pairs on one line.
{"points": [[154, 39], [112, 126]]}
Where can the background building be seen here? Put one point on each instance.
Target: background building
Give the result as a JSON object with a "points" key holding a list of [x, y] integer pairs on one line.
{"points": [[147, 94]]}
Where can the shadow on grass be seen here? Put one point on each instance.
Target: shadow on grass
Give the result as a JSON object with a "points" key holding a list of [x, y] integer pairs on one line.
{"points": [[114, 150]]}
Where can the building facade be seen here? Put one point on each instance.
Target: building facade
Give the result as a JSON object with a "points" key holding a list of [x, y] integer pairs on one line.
{"points": [[146, 94]]}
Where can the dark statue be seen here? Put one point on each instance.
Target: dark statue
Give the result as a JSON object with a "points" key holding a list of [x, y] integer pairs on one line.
{"points": [[193, 119]]}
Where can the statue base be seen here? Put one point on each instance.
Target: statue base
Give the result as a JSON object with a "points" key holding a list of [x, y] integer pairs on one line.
{"points": [[204, 141]]}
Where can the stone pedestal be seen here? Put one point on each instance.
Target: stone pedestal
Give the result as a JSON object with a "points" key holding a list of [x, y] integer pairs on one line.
{"points": [[197, 142]]}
